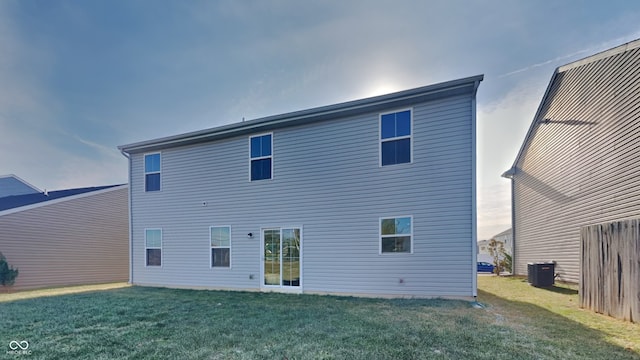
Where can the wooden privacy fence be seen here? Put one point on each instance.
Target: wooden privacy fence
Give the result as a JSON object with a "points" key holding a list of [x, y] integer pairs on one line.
{"points": [[610, 269]]}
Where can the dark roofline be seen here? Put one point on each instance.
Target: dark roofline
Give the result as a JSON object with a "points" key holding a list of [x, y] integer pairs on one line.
{"points": [[587, 60], [467, 85], [15, 203]]}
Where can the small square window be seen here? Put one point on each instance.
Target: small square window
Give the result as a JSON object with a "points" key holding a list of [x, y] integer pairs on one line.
{"points": [[396, 152], [396, 235]]}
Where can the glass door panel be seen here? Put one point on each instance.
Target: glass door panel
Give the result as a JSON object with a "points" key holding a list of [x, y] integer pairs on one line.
{"points": [[272, 247], [290, 257]]}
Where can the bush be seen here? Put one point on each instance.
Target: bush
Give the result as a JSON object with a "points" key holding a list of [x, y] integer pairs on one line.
{"points": [[8, 274], [507, 262]]}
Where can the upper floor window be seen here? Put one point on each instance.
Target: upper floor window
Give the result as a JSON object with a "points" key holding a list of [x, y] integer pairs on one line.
{"points": [[396, 234], [395, 138], [220, 246], [152, 172], [261, 157]]}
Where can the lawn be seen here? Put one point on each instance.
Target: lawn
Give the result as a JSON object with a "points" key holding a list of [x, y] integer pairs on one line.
{"points": [[150, 323]]}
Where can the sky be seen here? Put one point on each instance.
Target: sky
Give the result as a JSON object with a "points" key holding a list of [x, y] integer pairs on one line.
{"points": [[78, 78]]}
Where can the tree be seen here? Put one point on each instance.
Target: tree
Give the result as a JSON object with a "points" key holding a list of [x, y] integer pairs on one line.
{"points": [[496, 250], [7, 273]]}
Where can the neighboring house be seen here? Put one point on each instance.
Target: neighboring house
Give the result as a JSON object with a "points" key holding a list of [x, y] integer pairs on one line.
{"points": [[578, 164], [505, 237], [483, 252], [66, 237], [483, 247], [373, 197], [13, 185]]}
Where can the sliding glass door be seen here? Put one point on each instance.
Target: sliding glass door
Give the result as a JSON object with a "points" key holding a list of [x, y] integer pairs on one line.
{"points": [[281, 258]]}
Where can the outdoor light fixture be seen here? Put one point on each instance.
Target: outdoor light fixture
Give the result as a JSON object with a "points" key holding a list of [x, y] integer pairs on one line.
{"points": [[250, 235]]}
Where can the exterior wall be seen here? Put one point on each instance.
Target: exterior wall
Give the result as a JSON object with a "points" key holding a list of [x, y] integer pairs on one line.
{"points": [[327, 179], [580, 166], [78, 241]]}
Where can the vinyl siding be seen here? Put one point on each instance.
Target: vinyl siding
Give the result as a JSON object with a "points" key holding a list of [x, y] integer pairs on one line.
{"points": [[580, 168], [326, 179], [74, 242]]}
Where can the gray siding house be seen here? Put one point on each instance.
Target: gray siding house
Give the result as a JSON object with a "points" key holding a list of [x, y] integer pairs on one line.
{"points": [[373, 197], [578, 164], [66, 237]]}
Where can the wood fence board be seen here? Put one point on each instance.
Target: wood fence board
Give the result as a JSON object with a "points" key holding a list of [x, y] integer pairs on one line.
{"points": [[610, 269]]}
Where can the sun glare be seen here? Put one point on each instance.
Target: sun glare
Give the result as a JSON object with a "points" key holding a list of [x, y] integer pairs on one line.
{"points": [[381, 89]]}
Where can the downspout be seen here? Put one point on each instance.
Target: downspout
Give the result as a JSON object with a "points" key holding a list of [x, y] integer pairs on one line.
{"points": [[130, 221], [513, 225], [510, 174], [474, 209]]}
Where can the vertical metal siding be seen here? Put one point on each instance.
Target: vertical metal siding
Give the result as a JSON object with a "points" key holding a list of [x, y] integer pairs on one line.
{"points": [[79, 241], [580, 167], [327, 178]]}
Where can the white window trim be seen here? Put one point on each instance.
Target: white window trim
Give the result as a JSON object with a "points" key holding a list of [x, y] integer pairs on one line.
{"points": [[144, 170], [381, 140], [261, 157], [161, 248], [380, 236], [220, 247]]}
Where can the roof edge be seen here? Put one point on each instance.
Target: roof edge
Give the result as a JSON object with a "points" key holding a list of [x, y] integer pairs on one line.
{"points": [[589, 59], [601, 55], [62, 199], [21, 180], [512, 170], [291, 118]]}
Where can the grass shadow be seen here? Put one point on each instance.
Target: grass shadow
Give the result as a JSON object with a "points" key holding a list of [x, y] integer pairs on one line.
{"points": [[560, 336], [557, 310]]}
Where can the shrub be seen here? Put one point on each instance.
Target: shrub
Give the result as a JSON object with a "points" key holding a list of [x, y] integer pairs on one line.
{"points": [[8, 274], [507, 262]]}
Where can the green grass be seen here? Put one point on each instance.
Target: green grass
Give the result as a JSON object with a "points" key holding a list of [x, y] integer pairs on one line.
{"points": [[555, 309], [152, 323]]}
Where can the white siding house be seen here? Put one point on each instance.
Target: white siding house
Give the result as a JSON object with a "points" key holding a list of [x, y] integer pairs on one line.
{"points": [[505, 237], [373, 197], [578, 164]]}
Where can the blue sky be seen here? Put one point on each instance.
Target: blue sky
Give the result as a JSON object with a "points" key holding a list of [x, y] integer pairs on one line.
{"points": [[78, 78]]}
